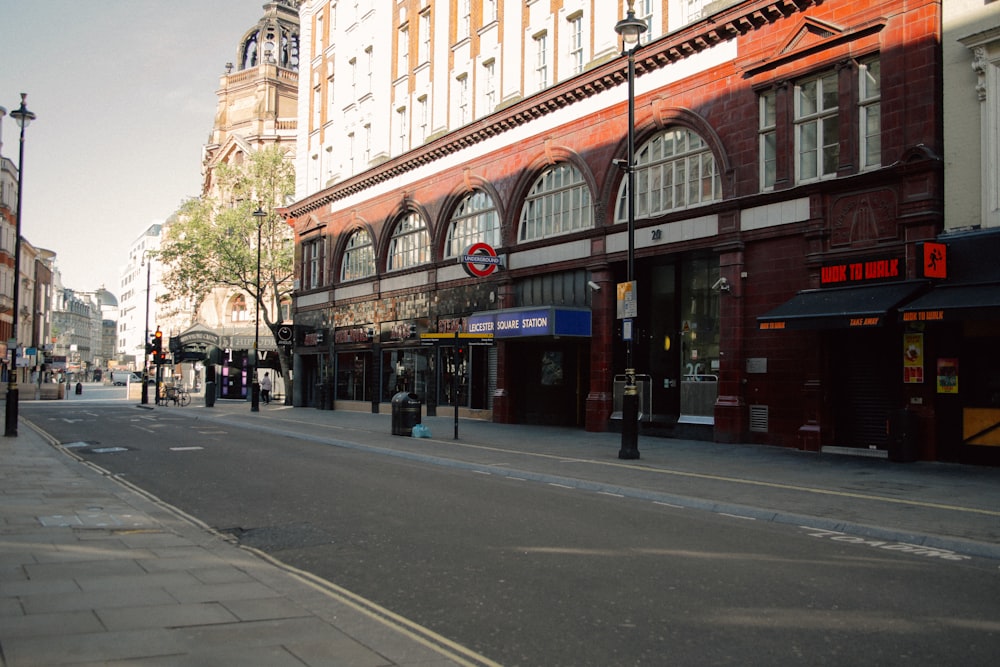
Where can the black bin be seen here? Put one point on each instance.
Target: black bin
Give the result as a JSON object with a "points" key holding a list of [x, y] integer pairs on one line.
{"points": [[405, 413], [903, 436], [209, 394], [321, 396]]}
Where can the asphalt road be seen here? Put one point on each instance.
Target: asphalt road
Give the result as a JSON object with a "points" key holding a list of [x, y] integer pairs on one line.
{"points": [[528, 573]]}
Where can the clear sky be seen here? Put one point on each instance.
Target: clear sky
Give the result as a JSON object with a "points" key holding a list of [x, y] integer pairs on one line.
{"points": [[124, 91]]}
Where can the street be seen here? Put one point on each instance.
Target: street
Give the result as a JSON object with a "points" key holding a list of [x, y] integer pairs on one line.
{"points": [[534, 573]]}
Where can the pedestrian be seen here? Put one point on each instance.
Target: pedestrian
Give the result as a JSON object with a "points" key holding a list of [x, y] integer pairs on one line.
{"points": [[265, 388]]}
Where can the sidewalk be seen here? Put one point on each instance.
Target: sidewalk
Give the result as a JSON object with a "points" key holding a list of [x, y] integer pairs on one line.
{"points": [[92, 572], [937, 505]]}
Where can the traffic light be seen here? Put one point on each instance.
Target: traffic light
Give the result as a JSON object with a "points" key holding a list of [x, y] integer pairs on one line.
{"points": [[157, 346]]}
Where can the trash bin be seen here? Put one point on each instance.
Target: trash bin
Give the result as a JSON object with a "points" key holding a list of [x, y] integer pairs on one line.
{"points": [[405, 413], [321, 396], [903, 436], [79, 388], [209, 394]]}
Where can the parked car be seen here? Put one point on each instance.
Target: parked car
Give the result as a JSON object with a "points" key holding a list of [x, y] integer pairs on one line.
{"points": [[121, 378]]}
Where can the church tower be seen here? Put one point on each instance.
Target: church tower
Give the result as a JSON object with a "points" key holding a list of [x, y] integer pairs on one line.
{"points": [[258, 93]]}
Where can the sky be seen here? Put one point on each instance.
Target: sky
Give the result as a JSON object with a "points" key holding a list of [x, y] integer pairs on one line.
{"points": [[124, 93]]}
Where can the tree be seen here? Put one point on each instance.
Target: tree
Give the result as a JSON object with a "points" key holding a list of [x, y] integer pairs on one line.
{"points": [[212, 241]]}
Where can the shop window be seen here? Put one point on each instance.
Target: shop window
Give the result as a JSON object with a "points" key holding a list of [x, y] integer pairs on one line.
{"points": [[404, 370], [353, 376], [359, 257], [558, 203], [410, 244], [474, 221], [674, 170]]}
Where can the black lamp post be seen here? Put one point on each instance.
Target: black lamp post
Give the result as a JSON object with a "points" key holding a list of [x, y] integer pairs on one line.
{"points": [[630, 28], [23, 118], [259, 214], [144, 395]]}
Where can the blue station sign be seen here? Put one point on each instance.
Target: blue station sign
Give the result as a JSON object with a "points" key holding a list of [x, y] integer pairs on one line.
{"points": [[525, 322]]}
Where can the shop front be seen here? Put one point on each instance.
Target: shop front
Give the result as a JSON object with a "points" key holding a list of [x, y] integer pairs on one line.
{"points": [[958, 324], [547, 353], [676, 345], [354, 367], [853, 382], [404, 363]]}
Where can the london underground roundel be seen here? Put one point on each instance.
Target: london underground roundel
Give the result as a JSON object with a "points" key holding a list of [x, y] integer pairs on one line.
{"points": [[480, 260]]}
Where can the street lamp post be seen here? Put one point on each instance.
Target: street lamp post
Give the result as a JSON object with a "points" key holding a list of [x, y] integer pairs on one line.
{"points": [[144, 395], [259, 214], [630, 28], [23, 118]]}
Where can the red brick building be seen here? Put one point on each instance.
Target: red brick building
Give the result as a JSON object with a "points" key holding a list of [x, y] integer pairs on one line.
{"points": [[788, 169]]}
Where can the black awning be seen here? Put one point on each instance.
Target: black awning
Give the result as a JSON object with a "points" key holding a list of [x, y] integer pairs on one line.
{"points": [[840, 307], [955, 302]]}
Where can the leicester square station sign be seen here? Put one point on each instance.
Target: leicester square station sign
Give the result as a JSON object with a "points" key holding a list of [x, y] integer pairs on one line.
{"points": [[480, 260]]}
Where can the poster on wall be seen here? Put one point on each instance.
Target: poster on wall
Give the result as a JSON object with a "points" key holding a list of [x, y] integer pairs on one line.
{"points": [[913, 358], [947, 376]]}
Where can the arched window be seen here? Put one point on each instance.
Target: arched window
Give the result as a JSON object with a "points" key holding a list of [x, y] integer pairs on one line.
{"points": [[674, 170], [559, 203], [410, 244], [238, 309], [359, 257], [475, 221]]}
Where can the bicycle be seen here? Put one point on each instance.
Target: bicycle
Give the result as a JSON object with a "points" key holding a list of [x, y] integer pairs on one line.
{"points": [[179, 395]]}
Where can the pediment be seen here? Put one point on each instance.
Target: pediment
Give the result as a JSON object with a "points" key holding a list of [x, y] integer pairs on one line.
{"points": [[809, 33], [233, 145]]}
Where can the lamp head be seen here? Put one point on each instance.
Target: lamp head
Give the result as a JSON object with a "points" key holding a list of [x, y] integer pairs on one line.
{"points": [[630, 28], [21, 114]]}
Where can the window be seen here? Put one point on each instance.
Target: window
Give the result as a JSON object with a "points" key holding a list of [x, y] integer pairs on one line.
{"points": [[317, 110], [541, 60], [402, 129], [489, 11], [463, 99], [869, 100], [424, 48], [576, 43], [768, 140], [559, 203], [674, 170], [312, 264], [369, 71], [351, 148], [410, 244], [644, 11], [474, 221], [422, 110], [403, 52], [238, 309], [353, 65], [368, 144], [489, 87], [465, 20], [359, 257], [817, 128]]}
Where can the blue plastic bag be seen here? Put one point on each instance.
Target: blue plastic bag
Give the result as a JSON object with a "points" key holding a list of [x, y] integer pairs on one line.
{"points": [[420, 431]]}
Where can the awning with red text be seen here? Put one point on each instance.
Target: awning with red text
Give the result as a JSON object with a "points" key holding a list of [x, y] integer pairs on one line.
{"points": [[842, 307]]}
